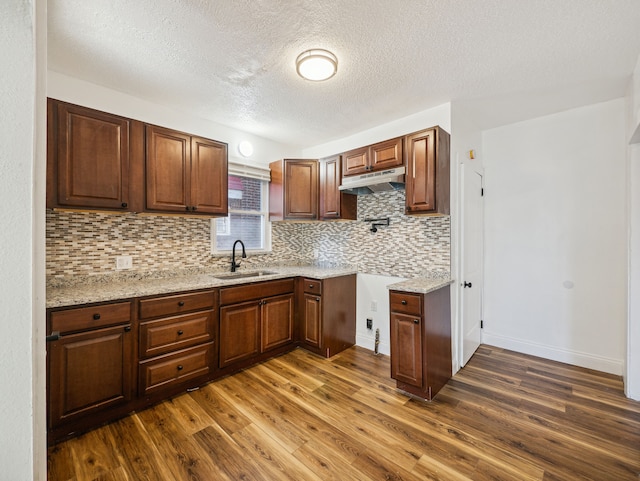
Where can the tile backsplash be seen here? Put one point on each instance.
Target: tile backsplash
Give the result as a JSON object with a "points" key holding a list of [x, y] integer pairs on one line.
{"points": [[86, 243]]}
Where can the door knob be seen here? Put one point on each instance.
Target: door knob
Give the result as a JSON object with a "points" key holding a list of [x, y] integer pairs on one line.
{"points": [[467, 284]]}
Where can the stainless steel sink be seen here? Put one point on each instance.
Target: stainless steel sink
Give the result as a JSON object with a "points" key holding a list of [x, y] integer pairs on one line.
{"points": [[242, 275]]}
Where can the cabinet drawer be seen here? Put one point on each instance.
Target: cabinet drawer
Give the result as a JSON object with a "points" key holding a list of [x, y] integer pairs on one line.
{"points": [[312, 286], [165, 306], [84, 318], [173, 333], [172, 369], [405, 303], [247, 292]]}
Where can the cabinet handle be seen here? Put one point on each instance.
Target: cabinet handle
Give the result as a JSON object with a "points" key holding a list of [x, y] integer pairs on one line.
{"points": [[310, 286], [127, 328], [180, 332], [194, 208], [96, 316], [467, 284], [180, 303], [180, 368], [187, 208], [124, 205], [54, 336], [404, 302], [317, 299], [416, 321]]}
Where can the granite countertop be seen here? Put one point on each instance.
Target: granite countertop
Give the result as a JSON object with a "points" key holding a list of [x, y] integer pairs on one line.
{"points": [[420, 285], [90, 292]]}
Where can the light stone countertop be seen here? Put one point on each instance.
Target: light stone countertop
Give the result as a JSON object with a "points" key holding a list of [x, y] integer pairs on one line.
{"points": [[420, 285], [67, 296]]}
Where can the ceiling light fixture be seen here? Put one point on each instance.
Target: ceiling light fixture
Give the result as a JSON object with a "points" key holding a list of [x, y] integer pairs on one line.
{"points": [[317, 65]]}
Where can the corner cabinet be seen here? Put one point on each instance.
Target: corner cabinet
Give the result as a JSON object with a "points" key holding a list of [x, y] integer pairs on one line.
{"points": [[327, 313], [293, 190], [428, 172], [90, 365], [335, 204], [185, 173], [90, 155], [420, 328]]}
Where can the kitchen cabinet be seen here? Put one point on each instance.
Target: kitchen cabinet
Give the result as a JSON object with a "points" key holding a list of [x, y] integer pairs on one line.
{"points": [[293, 190], [185, 173], [327, 313], [176, 342], [255, 319], [428, 172], [92, 159], [420, 328], [372, 158], [335, 204], [90, 366]]}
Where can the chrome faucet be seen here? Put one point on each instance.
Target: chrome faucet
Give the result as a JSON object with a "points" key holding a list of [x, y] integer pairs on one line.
{"points": [[234, 264]]}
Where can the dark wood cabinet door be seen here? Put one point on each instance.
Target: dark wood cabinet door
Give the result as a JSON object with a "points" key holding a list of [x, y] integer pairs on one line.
{"points": [[333, 203], [421, 172], [208, 176], [356, 161], [89, 372], [312, 321], [92, 157], [239, 332], [406, 349], [277, 322], [168, 161], [387, 154], [301, 189]]}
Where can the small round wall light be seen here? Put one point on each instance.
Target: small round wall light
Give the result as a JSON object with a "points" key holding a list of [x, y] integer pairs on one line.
{"points": [[316, 65], [245, 148]]}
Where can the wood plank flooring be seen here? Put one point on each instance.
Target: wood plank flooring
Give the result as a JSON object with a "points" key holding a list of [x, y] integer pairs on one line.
{"points": [[505, 416]]}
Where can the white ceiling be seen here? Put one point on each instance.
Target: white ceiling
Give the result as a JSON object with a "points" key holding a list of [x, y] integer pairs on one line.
{"points": [[232, 61]]}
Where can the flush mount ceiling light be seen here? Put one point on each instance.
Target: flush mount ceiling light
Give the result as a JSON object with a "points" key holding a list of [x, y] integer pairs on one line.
{"points": [[317, 65], [245, 148]]}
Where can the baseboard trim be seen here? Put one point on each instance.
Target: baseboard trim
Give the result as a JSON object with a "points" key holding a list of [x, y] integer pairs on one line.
{"points": [[576, 358]]}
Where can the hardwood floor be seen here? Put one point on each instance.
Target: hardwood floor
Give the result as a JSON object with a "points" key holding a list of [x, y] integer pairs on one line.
{"points": [[505, 416]]}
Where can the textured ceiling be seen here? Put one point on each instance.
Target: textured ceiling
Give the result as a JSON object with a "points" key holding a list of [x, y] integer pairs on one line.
{"points": [[233, 61]]}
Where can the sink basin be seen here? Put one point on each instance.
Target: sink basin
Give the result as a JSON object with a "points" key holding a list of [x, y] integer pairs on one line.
{"points": [[242, 275]]}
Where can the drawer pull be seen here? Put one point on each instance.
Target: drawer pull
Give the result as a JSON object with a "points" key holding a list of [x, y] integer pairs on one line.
{"points": [[180, 332], [54, 336], [127, 328], [96, 317], [317, 299], [180, 368], [404, 302], [181, 303], [416, 321], [310, 286]]}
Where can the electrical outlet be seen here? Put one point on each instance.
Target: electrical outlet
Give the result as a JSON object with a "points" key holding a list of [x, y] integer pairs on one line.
{"points": [[369, 323], [124, 262], [374, 306]]}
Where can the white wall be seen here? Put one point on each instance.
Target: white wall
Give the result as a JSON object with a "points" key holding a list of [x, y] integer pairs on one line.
{"points": [[556, 236], [79, 92], [22, 175]]}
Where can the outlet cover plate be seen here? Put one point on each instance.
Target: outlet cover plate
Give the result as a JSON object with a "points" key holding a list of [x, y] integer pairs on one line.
{"points": [[124, 262]]}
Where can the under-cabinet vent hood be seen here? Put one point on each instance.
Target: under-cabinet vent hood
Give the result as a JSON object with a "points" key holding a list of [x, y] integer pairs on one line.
{"points": [[382, 181]]}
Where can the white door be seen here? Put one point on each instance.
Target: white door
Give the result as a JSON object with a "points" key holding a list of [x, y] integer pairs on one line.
{"points": [[472, 256]]}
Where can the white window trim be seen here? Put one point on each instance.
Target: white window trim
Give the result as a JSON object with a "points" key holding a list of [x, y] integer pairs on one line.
{"points": [[264, 212]]}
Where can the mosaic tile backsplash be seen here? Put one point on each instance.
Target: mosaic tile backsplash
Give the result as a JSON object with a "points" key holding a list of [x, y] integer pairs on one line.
{"points": [[86, 243]]}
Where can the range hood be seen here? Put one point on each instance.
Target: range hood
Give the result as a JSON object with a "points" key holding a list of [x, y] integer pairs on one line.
{"points": [[382, 181]]}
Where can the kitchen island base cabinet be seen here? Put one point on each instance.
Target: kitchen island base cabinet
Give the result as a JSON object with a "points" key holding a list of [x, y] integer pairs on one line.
{"points": [[421, 341], [327, 314]]}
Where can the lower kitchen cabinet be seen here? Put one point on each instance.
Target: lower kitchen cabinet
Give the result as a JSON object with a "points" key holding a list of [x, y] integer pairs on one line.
{"points": [[327, 313], [90, 366], [420, 328], [255, 319]]}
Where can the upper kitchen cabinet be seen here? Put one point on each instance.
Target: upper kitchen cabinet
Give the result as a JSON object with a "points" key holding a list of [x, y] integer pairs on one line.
{"points": [[293, 190], [380, 156], [335, 204], [185, 173], [91, 157], [427, 177]]}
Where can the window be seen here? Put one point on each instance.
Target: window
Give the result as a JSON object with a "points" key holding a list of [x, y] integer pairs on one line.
{"points": [[248, 213]]}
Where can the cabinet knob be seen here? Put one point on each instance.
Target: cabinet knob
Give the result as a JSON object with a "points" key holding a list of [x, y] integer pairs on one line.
{"points": [[467, 284], [310, 286], [416, 321], [317, 299], [187, 208], [194, 208], [404, 302], [127, 328], [96, 316], [180, 303], [124, 205], [180, 332], [180, 368]]}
